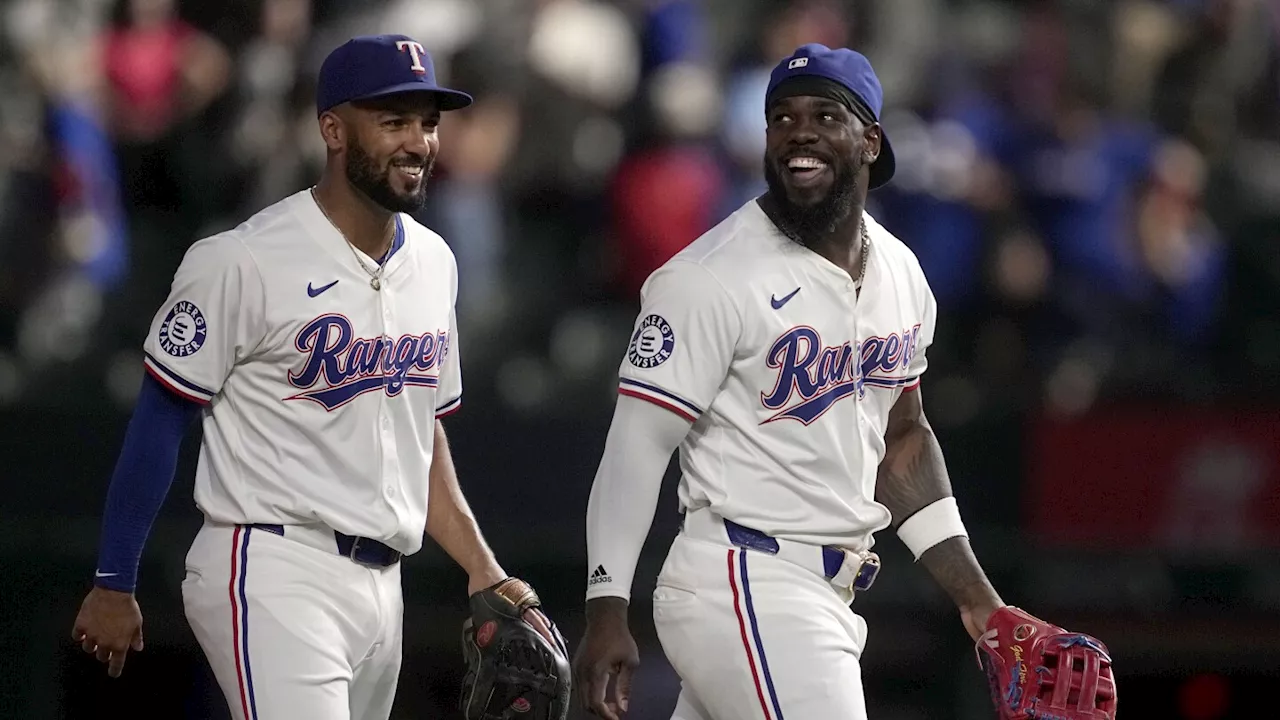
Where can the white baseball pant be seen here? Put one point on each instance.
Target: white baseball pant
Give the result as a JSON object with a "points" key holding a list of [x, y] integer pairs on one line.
{"points": [[291, 628], [753, 635]]}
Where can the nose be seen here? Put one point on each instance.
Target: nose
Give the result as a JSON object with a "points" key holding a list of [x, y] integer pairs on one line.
{"points": [[803, 133], [418, 141]]}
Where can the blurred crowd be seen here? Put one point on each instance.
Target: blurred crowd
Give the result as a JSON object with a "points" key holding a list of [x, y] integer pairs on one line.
{"points": [[1091, 187]]}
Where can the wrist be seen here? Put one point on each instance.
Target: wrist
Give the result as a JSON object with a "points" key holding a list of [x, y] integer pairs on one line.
{"points": [[607, 611], [484, 576], [114, 582]]}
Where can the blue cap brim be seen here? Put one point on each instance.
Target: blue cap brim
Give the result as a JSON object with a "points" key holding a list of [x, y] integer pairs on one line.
{"points": [[449, 99], [882, 169]]}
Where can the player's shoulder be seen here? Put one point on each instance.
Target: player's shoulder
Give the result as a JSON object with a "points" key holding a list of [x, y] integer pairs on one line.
{"points": [[892, 250], [429, 252], [727, 250], [276, 224], [425, 240]]}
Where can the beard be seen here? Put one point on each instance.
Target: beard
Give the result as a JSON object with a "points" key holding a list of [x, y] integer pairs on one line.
{"points": [[807, 224], [365, 175]]}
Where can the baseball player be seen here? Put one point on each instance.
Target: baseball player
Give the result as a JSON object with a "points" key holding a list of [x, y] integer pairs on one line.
{"points": [[317, 344], [781, 352]]}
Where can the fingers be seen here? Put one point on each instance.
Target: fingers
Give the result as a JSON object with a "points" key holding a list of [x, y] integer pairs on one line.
{"points": [[115, 664], [557, 639], [111, 653], [591, 678], [534, 618], [622, 689], [598, 685]]}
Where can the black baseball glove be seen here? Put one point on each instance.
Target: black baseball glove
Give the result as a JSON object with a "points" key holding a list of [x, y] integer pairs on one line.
{"points": [[512, 671]]}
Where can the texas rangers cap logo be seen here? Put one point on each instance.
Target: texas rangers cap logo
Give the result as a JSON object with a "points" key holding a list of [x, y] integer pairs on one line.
{"points": [[652, 343], [183, 330]]}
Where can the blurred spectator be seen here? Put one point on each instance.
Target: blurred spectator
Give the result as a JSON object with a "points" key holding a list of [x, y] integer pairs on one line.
{"points": [[1222, 62], [666, 190], [160, 74], [273, 125], [469, 206], [1094, 209], [71, 242], [160, 70]]}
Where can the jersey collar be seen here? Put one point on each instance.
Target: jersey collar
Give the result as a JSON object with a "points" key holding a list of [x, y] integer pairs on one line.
{"points": [[328, 237], [793, 249]]}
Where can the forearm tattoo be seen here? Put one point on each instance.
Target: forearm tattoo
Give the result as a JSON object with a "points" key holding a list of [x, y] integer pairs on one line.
{"points": [[912, 475]]}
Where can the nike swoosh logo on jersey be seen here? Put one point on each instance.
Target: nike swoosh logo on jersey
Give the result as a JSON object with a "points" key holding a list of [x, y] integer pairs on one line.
{"points": [[316, 291], [777, 304], [97, 573]]}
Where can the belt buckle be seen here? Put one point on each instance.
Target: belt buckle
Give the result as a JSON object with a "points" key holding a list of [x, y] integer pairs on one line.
{"points": [[867, 571], [351, 553], [859, 577], [355, 547]]}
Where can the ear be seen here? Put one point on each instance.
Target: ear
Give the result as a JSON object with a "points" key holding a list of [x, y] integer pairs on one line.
{"points": [[333, 131], [871, 143]]}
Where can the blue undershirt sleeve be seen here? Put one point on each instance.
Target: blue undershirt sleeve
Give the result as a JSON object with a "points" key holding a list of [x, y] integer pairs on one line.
{"points": [[143, 474]]}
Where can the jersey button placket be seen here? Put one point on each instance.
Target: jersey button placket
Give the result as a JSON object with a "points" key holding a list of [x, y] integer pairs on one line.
{"points": [[390, 468], [858, 445]]}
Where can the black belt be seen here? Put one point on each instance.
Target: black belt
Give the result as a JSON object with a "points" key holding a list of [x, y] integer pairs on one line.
{"points": [[363, 550]]}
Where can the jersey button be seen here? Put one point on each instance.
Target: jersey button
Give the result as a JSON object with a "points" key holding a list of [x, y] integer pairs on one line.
{"points": [[391, 493]]}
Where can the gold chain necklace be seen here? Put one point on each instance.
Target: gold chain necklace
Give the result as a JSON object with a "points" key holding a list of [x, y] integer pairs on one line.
{"points": [[375, 274]]}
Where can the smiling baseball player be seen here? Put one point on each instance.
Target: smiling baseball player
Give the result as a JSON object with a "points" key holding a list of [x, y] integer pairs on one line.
{"points": [[317, 342], [782, 353]]}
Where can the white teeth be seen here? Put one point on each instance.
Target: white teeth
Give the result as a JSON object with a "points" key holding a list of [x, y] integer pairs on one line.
{"points": [[805, 163]]}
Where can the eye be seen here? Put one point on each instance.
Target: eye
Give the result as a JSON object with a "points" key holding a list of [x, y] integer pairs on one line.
{"points": [[394, 122], [779, 117], [827, 116]]}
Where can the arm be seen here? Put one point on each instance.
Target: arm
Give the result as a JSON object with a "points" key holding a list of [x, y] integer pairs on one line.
{"points": [[451, 524], [143, 474], [109, 622], [624, 496], [913, 476]]}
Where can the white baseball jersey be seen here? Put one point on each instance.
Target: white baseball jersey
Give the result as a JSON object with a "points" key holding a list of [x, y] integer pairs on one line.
{"points": [[787, 373], [322, 392]]}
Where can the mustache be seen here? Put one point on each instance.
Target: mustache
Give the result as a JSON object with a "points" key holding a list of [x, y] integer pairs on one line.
{"points": [[410, 160]]}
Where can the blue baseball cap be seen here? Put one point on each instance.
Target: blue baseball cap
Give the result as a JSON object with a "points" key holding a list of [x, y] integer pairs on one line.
{"points": [[850, 70], [371, 66]]}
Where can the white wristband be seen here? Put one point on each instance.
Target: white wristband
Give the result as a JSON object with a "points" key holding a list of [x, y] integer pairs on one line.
{"points": [[937, 521]]}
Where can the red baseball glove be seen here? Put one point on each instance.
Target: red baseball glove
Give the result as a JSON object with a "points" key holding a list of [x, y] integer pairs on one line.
{"points": [[1038, 671]]}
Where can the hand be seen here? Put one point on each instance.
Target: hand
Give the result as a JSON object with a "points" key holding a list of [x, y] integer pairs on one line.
{"points": [[975, 618], [543, 624], [492, 575], [607, 650], [108, 625]]}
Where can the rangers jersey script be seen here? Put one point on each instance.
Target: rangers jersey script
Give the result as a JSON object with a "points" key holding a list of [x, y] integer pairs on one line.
{"points": [[787, 373], [321, 392]]}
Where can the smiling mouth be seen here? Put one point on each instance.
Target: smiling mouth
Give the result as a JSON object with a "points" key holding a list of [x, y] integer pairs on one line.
{"points": [[410, 172], [805, 168]]}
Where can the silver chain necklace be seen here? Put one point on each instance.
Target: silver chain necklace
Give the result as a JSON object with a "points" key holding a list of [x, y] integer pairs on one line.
{"points": [[866, 246], [375, 274]]}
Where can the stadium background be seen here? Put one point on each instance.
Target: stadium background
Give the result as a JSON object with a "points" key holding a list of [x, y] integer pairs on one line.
{"points": [[1090, 186]]}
